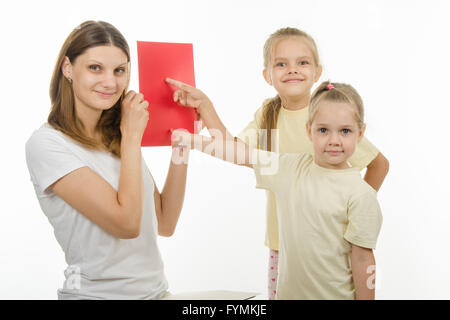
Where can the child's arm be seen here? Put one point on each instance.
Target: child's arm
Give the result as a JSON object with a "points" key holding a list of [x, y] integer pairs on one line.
{"points": [[377, 171], [363, 269], [222, 145], [234, 150], [192, 97]]}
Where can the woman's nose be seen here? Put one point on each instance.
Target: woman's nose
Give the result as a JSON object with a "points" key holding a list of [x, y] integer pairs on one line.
{"points": [[109, 81]]}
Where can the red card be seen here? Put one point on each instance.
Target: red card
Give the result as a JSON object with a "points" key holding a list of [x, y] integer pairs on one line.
{"points": [[158, 61]]}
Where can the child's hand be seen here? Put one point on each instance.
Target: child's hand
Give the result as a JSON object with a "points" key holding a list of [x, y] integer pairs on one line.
{"points": [[182, 142], [189, 96], [181, 139], [192, 97]]}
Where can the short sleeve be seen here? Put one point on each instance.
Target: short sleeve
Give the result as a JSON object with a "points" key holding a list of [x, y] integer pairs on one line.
{"points": [[364, 220], [272, 170], [364, 154], [250, 134], [49, 159]]}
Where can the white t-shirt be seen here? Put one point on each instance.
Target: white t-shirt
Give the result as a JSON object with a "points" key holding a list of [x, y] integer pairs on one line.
{"points": [[100, 266], [321, 212]]}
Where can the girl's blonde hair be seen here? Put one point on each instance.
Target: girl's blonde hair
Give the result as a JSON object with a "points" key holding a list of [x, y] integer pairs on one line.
{"points": [[271, 107], [62, 115], [336, 92]]}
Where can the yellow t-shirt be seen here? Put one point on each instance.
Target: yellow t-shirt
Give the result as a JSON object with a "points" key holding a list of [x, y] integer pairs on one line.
{"points": [[321, 212], [292, 138]]}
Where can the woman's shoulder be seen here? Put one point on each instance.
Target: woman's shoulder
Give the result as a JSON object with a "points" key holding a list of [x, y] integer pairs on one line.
{"points": [[45, 137], [45, 132]]}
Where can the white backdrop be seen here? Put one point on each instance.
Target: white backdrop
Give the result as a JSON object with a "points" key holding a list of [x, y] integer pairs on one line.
{"points": [[395, 53]]}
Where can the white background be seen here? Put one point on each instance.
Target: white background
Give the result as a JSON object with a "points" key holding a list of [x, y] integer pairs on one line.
{"points": [[395, 53]]}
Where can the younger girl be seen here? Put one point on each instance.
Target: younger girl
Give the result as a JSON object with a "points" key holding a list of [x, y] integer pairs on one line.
{"points": [[292, 66], [329, 218]]}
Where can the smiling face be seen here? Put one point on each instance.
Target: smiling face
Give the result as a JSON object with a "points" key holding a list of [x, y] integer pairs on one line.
{"points": [[99, 77], [292, 69], [334, 133]]}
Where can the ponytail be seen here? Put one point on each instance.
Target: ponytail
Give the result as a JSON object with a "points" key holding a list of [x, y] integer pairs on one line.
{"points": [[270, 112]]}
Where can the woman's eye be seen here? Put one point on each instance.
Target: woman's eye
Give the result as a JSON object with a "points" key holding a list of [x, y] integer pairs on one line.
{"points": [[94, 67], [280, 64], [322, 130], [304, 62], [120, 70], [346, 131]]}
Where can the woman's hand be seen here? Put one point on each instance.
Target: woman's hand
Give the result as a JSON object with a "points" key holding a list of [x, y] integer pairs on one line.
{"points": [[189, 96], [134, 115]]}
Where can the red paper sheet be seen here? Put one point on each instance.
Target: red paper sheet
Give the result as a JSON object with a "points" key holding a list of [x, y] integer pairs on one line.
{"points": [[158, 61]]}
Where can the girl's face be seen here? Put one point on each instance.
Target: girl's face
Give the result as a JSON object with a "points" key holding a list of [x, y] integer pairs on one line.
{"points": [[334, 133], [292, 70], [99, 77]]}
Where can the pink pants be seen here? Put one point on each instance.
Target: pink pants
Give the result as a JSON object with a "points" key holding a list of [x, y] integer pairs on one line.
{"points": [[273, 274]]}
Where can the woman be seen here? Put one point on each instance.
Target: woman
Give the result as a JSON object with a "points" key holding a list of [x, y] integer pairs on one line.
{"points": [[90, 178]]}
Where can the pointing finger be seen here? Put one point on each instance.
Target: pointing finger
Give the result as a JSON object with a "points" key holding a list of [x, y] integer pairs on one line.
{"points": [[176, 95], [183, 98], [178, 84]]}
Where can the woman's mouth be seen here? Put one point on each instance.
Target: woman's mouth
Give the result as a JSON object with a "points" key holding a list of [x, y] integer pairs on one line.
{"points": [[105, 95]]}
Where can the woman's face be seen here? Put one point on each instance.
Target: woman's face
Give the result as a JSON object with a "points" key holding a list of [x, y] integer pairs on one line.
{"points": [[99, 76]]}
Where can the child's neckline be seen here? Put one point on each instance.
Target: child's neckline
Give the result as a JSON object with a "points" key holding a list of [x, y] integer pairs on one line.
{"points": [[293, 110], [332, 171]]}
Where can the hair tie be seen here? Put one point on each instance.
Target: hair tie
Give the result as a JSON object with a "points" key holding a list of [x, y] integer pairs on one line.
{"points": [[330, 86]]}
